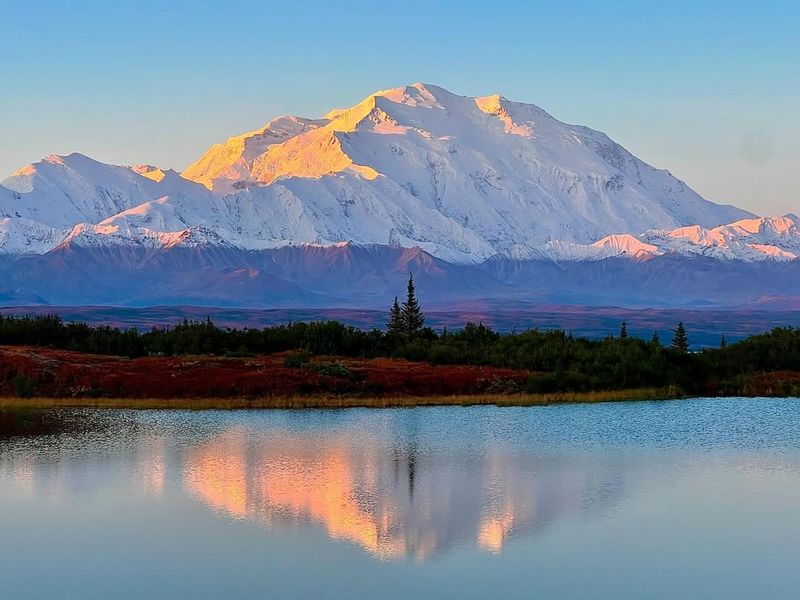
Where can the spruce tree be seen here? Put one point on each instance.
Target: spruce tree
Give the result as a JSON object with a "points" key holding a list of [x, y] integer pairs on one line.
{"points": [[680, 340], [623, 330], [723, 343], [412, 316], [395, 318], [655, 340]]}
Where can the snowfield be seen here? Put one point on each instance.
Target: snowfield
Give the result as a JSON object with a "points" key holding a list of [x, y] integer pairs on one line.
{"points": [[464, 179]]}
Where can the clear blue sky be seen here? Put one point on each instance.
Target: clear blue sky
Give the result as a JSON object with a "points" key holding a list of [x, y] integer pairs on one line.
{"points": [[709, 90]]}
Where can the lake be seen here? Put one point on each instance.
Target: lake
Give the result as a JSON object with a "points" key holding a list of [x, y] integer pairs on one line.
{"points": [[692, 498]]}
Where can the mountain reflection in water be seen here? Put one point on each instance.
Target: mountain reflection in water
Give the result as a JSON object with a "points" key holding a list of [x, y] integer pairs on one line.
{"points": [[394, 500], [394, 488], [695, 498]]}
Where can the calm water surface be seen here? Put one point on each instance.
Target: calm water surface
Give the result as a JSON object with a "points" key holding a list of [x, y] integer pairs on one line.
{"points": [[680, 499]]}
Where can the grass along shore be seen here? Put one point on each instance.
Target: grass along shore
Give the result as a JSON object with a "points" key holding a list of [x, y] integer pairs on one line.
{"points": [[298, 402]]}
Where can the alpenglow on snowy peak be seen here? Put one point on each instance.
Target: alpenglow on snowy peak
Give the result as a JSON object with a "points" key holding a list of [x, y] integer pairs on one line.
{"points": [[464, 179]]}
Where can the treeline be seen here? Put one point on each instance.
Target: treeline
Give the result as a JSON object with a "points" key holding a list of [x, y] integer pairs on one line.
{"points": [[559, 360], [191, 337]]}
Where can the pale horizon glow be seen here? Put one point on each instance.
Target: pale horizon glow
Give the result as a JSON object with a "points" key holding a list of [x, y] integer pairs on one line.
{"points": [[706, 92]]}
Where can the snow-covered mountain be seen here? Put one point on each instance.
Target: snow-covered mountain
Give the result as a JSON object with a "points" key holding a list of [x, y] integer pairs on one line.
{"points": [[62, 191], [764, 238], [463, 178], [472, 187]]}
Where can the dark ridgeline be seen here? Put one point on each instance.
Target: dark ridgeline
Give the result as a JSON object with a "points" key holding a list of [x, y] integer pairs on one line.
{"points": [[556, 359]]}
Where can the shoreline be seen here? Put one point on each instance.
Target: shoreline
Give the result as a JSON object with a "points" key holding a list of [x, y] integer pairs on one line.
{"points": [[328, 402]]}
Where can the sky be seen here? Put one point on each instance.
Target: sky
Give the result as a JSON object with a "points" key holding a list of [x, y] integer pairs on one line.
{"points": [[708, 90]]}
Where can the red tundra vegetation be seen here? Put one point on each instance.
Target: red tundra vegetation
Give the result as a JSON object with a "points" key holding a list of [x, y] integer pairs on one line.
{"points": [[62, 374], [773, 383]]}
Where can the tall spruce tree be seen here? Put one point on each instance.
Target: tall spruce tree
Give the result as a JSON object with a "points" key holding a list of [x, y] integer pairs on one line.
{"points": [[412, 317], [395, 318], [655, 340], [680, 341], [623, 330]]}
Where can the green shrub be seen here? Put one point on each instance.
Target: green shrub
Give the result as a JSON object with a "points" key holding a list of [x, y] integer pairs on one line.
{"points": [[332, 369], [297, 360], [23, 386], [441, 354], [502, 385]]}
